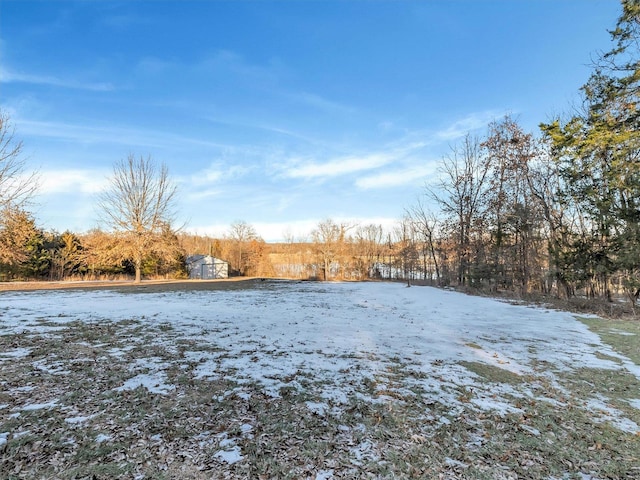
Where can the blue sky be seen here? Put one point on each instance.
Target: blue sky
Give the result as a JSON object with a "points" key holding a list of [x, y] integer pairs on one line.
{"points": [[279, 113]]}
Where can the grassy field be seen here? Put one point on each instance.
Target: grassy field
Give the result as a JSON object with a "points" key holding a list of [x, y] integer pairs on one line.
{"points": [[137, 397]]}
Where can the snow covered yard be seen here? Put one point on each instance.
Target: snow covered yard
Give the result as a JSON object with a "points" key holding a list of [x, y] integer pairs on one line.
{"points": [[312, 381]]}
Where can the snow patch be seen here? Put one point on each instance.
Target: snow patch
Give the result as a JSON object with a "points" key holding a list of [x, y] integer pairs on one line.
{"points": [[15, 353], [154, 382], [606, 413], [40, 406], [318, 408], [623, 333], [324, 475], [231, 456], [79, 419], [635, 403], [334, 336], [101, 437]]}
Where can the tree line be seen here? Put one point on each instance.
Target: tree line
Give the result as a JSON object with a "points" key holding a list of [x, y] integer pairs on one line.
{"points": [[555, 211]]}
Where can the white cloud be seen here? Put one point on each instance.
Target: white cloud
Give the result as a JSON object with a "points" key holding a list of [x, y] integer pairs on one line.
{"points": [[277, 231], [72, 181], [210, 182], [338, 166], [207, 176], [217, 172], [397, 178]]}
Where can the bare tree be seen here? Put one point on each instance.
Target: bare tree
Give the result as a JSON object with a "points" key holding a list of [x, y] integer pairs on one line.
{"points": [[460, 196], [139, 206], [369, 245], [325, 240], [512, 212], [16, 185], [406, 248], [241, 234], [425, 224], [329, 241]]}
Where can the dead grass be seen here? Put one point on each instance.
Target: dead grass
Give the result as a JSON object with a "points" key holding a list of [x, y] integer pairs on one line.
{"points": [[622, 334]]}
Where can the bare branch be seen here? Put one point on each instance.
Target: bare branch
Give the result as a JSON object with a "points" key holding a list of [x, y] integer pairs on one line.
{"points": [[140, 206], [16, 185]]}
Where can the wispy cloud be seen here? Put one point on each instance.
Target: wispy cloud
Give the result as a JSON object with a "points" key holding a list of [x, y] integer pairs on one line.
{"points": [[198, 196], [337, 166], [72, 180], [345, 165], [212, 181], [8, 76], [260, 126], [216, 173], [416, 169], [110, 134], [269, 77], [86, 134], [411, 175]]}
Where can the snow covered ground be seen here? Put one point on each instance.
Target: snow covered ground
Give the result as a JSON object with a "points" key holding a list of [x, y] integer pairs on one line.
{"points": [[322, 340]]}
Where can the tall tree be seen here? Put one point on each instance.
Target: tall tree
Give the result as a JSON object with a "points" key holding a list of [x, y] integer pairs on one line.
{"points": [[425, 224], [598, 151], [512, 211], [558, 217], [326, 239], [139, 206], [66, 252], [16, 188], [17, 245], [369, 246], [405, 246], [330, 245], [460, 194], [241, 234], [102, 253]]}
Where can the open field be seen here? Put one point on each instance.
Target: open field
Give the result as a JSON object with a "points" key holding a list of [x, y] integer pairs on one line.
{"points": [[307, 380]]}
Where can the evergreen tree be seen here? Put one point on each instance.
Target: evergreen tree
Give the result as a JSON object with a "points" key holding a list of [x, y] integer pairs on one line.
{"points": [[598, 152]]}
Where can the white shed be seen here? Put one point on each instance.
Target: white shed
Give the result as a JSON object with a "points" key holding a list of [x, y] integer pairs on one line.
{"points": [[206, 267]]}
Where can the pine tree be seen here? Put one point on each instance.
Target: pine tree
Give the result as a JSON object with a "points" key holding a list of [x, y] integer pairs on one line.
{"points": [[598, 152]]}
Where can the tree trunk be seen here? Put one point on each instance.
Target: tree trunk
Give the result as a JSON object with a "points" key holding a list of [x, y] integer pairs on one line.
{"points": [[138, 266]]}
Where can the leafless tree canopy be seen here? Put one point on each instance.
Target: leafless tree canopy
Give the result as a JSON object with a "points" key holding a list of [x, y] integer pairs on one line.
{"points": [[16, 186], [141, 198], [240, 235], [139, 206]]}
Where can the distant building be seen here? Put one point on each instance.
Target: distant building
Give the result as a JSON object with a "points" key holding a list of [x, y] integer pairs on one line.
{"points": [[206, 267]]}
